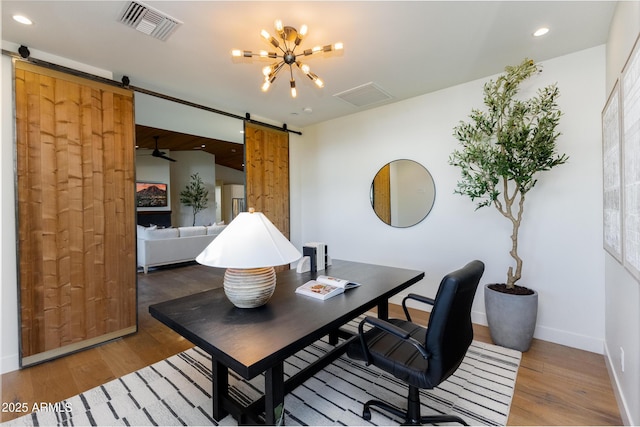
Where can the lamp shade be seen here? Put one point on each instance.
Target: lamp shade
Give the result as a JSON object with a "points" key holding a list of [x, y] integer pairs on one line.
{"points": [[249, 241]]}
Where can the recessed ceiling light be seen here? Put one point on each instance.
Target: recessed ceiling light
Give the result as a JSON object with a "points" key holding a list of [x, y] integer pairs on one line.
{"points": [[22, 19], [541, 32]]}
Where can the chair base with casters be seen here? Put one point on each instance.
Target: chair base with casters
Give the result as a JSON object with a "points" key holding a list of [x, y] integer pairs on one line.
{"points": [[412, 414], [422, 357]]}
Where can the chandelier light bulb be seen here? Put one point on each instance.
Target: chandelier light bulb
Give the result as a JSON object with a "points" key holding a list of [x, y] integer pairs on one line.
{"points": [[279, 26], [266, 85], [265, 35], [267, 70], [236, 52], [303, 31], [319, 82], [338, 46], [294, 93]]}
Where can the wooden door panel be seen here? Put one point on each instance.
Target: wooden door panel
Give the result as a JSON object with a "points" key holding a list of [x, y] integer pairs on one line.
{"points": [[267, 173], [76, 212]]}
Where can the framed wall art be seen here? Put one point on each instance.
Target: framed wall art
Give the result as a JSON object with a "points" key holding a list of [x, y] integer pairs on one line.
{"points": [[151, 194], [630, 101], [612, 175]]}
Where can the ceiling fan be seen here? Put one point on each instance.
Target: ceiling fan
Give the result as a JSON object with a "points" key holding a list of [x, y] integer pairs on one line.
{"points": [[160, 154]]}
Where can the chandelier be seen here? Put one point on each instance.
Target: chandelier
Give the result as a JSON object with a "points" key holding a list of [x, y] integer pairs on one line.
{"points": [[287, 56]]}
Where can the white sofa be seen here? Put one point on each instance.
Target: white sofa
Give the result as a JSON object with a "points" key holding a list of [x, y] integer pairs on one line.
{"points": [[163, 246]]}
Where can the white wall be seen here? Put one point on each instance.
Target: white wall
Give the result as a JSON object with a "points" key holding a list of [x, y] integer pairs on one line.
{"points": [[410, 196], [622, 290], [164, 114], [187, 163], [229, 175], [334, 162], [9, 285]]}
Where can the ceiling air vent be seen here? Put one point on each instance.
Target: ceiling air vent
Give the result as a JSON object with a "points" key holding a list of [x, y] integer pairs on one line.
{"points": [[366, 94], [148, 20]]}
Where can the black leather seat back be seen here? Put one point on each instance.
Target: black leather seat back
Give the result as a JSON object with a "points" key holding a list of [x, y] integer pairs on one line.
{"points": [[450, 332]]}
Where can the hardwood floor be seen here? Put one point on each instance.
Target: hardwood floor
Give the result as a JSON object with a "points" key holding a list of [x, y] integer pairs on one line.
{"points": [[556, 385]]}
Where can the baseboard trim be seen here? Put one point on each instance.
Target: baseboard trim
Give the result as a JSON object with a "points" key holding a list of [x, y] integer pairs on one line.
{"points": [[9, 363], [625, 414], [581, 342]]}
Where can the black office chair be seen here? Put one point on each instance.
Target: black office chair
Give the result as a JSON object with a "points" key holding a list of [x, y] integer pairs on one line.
{"points": [[422, 357]]}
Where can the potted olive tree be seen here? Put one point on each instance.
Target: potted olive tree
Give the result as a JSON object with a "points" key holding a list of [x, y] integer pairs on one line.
{"points": [[503, 148], [195, 195]]}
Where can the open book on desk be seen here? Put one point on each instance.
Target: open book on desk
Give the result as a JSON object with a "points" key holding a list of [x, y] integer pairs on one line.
{"points": [[324, 287]]}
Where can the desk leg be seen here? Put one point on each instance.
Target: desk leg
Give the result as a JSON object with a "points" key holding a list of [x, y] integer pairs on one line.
{"points": [[333, 338], [274, 394], [383, 310], [220, 389]]}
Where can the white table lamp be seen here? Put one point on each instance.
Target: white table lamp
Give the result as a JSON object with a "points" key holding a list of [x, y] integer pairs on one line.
{"points": [[249, 247]]}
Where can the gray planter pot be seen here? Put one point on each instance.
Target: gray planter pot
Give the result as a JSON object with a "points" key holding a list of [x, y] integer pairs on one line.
{"points": [[512, 318]]}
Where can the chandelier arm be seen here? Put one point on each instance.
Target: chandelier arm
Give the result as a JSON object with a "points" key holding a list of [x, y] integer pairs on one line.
{"points": [[311, 52], [277, 69], [286, 45], [284, 51], [294, 48], [287, 49], [250, 53], [270, 55]]}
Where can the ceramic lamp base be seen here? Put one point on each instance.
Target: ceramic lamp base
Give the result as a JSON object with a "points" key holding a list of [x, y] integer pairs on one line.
{"points": [[251, 287]]}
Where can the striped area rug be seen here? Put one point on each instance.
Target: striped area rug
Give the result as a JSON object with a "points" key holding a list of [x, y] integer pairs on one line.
{"points": [[177, 391]]}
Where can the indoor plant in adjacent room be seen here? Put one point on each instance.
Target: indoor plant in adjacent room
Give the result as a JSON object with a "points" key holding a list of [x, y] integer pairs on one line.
{"points": [[503, 148], [195, 195]]}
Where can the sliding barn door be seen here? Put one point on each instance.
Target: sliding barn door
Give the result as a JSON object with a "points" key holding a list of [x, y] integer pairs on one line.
{"points": [[267, 173], [76, 212]]}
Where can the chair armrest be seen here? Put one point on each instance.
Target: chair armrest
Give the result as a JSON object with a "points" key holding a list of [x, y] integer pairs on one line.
{"points": [[387, 327], [416, 297], [391, 329]]}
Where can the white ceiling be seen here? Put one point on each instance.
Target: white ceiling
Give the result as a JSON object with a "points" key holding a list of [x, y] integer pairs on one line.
{"points": [[405, 48]]}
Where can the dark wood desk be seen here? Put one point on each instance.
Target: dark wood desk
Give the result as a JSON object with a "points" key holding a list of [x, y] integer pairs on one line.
{"points": [[256, 340]]}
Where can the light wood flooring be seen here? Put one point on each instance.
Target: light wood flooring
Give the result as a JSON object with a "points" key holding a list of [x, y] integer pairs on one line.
{"points": [[556, 385]]}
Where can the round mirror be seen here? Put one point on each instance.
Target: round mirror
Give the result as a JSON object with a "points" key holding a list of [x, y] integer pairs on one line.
{"points": [[402, 193]]}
